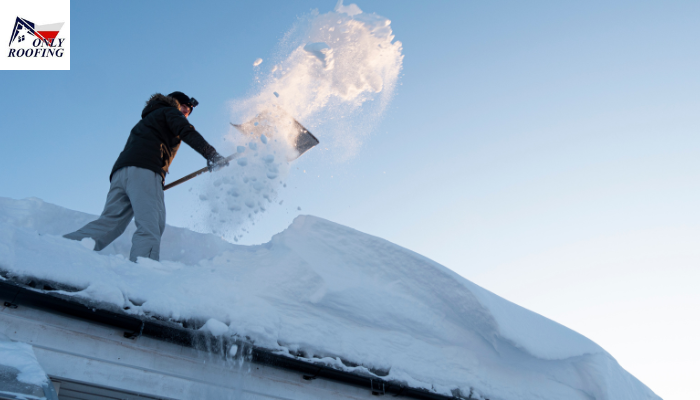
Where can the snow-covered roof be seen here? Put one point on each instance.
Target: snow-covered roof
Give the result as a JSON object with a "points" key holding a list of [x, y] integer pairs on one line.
{"points": [[337, 296]]}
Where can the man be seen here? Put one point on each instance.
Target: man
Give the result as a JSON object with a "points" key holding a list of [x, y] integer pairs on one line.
{"points": [[136, 181]]}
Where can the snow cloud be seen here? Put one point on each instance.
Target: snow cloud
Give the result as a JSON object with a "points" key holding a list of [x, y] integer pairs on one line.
{"points": [[335, 73]]}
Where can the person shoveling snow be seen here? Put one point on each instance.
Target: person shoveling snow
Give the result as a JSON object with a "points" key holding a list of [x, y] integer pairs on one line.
{"points": [[137, 178]]}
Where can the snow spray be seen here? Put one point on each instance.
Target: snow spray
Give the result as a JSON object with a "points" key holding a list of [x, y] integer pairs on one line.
{"points": [[335, 73]]}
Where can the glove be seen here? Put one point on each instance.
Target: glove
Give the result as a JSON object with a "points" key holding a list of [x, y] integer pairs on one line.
{"points": [[216, 162]]}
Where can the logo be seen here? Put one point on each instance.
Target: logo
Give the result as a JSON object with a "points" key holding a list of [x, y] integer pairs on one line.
{"points": [[37, 35], [36, 41]]}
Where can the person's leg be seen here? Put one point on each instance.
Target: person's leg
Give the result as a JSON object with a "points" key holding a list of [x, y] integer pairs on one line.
{"points": [[114, 219], [145, 190]]}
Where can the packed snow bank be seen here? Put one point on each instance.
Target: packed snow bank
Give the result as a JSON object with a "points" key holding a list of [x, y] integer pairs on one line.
{"points": [[332, 294]]}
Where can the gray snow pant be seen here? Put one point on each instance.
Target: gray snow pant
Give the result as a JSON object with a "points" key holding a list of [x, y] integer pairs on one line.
{"points": [[134, 192]]}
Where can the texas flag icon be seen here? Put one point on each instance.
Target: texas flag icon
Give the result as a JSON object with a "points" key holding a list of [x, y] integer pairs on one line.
{"points": [[46, 32]]}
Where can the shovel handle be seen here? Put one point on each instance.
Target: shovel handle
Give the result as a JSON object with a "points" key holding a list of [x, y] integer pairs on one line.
{"points": [[195, 173]]}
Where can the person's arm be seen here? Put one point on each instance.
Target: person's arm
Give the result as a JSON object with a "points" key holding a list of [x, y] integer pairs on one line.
{"points": [[180, 126]]}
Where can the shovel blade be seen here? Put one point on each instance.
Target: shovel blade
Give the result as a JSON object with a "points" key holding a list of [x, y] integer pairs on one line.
{"points": [[270, 124]]}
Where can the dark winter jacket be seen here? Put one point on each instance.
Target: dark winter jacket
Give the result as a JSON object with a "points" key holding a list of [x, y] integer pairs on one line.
{"points": [[154, 141]]}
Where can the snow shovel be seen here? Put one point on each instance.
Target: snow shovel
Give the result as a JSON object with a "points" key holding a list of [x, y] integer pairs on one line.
{"points": [[302, 139]]}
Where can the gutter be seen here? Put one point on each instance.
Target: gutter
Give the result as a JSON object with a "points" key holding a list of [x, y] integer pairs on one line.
{"points": [[14, 295]]}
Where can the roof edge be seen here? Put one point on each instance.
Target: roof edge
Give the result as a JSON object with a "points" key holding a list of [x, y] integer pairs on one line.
{"points": [[14, 294]]}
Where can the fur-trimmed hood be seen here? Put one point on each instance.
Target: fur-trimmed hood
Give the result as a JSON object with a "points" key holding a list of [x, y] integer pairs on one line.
{"points": [[157, 101], [155, 139]]}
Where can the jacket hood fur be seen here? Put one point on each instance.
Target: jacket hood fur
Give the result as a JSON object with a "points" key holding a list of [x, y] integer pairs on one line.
{"points": [[157, 101]]}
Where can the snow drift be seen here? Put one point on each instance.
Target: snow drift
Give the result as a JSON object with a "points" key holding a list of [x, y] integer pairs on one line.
{"points": [[335, 295]]}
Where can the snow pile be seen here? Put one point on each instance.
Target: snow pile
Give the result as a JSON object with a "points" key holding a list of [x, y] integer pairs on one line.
{"points": [[335, 73], [21, 357], [335, 295], [21, 376]]}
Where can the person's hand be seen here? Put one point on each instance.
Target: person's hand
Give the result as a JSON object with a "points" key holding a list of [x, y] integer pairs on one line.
{"points": [[216, 162]]}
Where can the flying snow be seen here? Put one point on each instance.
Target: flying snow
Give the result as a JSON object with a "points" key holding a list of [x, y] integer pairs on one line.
{"points": [[322, 51], [335, 73], [350, 10]]}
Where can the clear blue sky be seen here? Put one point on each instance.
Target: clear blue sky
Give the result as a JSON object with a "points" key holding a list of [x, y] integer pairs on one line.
{"points": [[547, 151]]}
